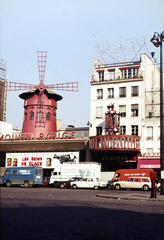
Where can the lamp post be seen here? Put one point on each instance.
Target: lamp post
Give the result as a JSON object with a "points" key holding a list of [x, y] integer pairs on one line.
{"points": [[157, 41]]}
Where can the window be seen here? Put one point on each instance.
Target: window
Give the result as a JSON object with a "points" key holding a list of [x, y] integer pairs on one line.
{"points": [[99, 112], [129, 73], [36, 171], [134, 129], [149, 133], [31, 115], [134, 91], [90, 179], [134, 110], [111, 75], [122, 130], [54, 117], [7, 172], [25, 116], [15, 172], [101, 76], [149, 150], [124, 73], [40, 116], [99, 93], [98, 131], [122, 92], [135, 72], [48, 116], [122, 110], [110, 92]]}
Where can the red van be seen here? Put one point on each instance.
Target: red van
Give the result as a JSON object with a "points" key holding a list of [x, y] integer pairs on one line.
{"points": [[123, 174]]}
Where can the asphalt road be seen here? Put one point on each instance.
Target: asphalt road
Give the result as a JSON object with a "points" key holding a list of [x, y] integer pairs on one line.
{"points": [[74, 214]]}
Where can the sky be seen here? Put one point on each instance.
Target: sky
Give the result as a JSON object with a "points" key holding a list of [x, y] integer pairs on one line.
{"points": [[68, 30]]}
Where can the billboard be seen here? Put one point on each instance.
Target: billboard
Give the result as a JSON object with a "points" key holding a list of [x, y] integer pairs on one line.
{"points": [[42, 159]]}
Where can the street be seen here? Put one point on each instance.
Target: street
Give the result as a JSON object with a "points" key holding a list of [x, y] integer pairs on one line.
{"points": [[76, 214]]}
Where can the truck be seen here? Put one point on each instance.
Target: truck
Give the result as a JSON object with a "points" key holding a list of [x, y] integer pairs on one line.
{"points": [[25, 176], [123, 174], [71, 170]]}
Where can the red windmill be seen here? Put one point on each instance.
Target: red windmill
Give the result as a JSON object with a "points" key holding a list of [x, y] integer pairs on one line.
{"points": [[40, 102]]}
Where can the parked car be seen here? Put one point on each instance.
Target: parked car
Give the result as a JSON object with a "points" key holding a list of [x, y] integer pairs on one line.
{"points": [[45, 181], [158, 186], [134, 182], [95, 183]]}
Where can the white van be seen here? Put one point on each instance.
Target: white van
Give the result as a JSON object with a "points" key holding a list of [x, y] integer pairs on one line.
{"points": [[134, 182]]}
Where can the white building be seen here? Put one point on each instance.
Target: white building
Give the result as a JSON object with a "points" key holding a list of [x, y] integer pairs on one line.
{"points": [[134, 88]]}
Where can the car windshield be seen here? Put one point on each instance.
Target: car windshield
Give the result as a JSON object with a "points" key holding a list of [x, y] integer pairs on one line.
{"points": [[6, 172]]}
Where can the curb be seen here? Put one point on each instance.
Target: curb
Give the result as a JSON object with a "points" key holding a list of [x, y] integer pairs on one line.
{"points": [[130, 198]]}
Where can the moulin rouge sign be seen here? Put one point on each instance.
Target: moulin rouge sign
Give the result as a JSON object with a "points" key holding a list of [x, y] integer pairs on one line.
{"points": [[42, 136]]}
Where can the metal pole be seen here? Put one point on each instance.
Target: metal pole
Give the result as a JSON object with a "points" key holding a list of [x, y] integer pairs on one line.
{"points": [[161, 118]]}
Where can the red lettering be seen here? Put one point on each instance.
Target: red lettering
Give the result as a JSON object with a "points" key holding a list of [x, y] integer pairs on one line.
{"points": [[49, 136], [35, 163], [41, 136], [64, 135], [23, 163], [1, 138], [28, 137], [14, 137], [73, 135], [19, 138], [7, 137], [58, 136]]}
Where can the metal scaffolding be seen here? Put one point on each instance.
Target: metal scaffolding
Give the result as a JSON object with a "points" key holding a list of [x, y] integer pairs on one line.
{"points": [[120, 52], [3, 67]]}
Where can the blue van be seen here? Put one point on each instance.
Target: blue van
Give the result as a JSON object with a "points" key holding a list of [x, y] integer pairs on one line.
{"points": [[23, 176]]}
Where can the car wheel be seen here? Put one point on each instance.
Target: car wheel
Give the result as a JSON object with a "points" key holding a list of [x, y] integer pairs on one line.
{"points": [[55, 184], [74, 186], [145, 188], [8, 184], [117, 187], [26, 184], [96, 187], [62, 185]]}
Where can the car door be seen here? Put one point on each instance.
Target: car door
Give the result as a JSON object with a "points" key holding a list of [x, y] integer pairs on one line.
{"points": [[90, 183], [82, 183], [136, 183], [127, 183]]}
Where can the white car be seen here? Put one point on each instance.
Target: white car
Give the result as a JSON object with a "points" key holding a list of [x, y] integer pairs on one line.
{"points": [[89, 183], [134, 182], [158, 186]]}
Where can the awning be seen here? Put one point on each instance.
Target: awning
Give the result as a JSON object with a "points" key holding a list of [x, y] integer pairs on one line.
{"points": [[148, 163]]}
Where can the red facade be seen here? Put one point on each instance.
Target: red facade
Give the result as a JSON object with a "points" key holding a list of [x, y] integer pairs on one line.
{"points": [[40, 105]]}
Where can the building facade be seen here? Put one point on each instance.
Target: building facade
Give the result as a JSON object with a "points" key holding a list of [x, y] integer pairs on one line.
{"points": [[134, 88]]}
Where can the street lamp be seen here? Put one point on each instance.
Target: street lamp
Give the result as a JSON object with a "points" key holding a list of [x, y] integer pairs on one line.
{"points": [[157, 41]]}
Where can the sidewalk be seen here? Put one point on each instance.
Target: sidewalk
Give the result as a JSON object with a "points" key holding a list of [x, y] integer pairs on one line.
{"points": [[129, 195]]}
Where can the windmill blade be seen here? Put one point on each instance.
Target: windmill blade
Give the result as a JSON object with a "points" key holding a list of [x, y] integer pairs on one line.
{"points": [[71, 86], [14, 86]]}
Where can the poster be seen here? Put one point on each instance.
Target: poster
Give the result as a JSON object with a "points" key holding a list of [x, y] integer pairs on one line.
{"points": [[42, 159]]}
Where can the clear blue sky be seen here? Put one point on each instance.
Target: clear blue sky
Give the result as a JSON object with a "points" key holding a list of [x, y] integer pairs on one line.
{"points": [[68, 30]]}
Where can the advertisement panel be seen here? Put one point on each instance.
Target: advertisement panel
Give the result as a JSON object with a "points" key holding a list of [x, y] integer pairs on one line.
{"points": [[42, 159]]}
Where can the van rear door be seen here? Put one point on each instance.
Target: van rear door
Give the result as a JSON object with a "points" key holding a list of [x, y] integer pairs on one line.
{"points": [[38, 176]]}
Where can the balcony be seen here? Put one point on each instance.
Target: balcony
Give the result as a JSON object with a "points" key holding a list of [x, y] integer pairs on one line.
{"points": [[116, 77]]}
